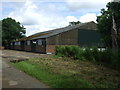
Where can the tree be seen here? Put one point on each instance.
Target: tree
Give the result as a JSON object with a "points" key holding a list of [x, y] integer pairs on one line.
{"points": [[74, 23], [108, 22], [0, 33], [114, 7], [11, 30]]}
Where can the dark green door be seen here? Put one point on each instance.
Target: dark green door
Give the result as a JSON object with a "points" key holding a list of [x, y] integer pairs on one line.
{"points": [[33, 46], [23, 45], [88, 38]]}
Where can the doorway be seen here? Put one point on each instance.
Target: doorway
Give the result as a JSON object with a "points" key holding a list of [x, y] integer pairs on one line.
{"points": [[33, 45]]}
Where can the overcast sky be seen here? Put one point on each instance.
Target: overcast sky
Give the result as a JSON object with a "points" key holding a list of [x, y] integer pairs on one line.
{"points": [[42, 15]]}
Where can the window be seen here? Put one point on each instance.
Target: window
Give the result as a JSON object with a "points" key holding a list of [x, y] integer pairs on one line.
{"points": [[28, 42], [18, 43], [15, 43], [39, 42], [11, 43]]}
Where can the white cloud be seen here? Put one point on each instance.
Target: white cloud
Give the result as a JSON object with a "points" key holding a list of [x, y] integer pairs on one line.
{"points": [[71, 19], [86, 4], [99, 14], [26, 14], [13, 0], [32, 29], [0, 10], [85, 18], [88, 17], [115, 0], [36, 19]]}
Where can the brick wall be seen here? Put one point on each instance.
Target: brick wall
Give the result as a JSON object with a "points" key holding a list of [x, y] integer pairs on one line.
{"points": [[17, 47], [50, 48], [27, 48], [40, 49]]}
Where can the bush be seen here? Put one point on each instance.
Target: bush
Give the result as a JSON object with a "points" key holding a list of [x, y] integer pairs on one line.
{"points": [[60, 50], [70, 51], [115, 59], [77, 52], [88, 54], [109, 57]]}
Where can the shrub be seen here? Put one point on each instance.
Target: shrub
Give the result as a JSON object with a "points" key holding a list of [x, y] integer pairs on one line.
{"points": [[59, 50], [88, 54], [77, 52], [70, 51], [115, 59], [109, 57], [96, 53]]}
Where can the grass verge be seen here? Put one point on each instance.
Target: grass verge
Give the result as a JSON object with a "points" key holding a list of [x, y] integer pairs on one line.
{"points": [[64, 72], [44, 73]]}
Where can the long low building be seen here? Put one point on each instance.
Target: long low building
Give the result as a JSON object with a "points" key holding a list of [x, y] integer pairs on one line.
{"points": [[83, 35]]}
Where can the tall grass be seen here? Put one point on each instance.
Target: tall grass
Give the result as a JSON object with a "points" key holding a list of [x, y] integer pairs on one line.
{"points": [[108, 57]]}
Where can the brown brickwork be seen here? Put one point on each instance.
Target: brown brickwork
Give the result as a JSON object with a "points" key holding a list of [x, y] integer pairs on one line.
{"points": [[50, 48], [27, 48], [40, 49], [17, 47]]}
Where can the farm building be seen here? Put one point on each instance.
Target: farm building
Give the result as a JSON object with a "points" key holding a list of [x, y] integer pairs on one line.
{"points": [[83, 35]]}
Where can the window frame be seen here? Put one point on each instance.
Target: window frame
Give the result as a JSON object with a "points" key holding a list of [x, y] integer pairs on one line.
{"points": [[40, 42]]}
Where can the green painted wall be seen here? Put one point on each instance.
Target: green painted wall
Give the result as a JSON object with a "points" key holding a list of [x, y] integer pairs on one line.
{"points": [[89, 38]]}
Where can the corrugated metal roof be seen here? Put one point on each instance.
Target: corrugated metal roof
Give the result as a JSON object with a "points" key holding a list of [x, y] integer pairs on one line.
{"points": [[61, 30], [50, 33]]}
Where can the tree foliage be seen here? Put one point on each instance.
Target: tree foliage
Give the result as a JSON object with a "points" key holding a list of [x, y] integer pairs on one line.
{"points": [[0, 33], [11, 30], [74, 23], [105, 23], [114, 7]]}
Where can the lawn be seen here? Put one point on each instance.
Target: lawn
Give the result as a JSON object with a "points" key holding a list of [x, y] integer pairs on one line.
{"points": [[63, 72]]}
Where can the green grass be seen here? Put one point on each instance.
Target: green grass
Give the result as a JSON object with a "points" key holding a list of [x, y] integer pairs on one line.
{"points": [[64, 72], [46, 75]]}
